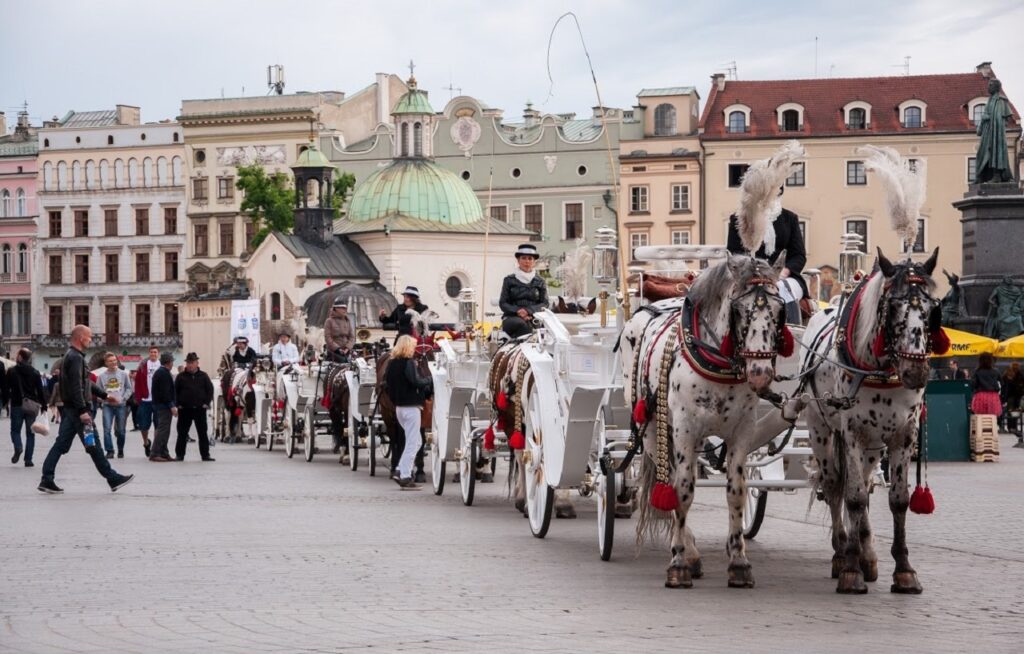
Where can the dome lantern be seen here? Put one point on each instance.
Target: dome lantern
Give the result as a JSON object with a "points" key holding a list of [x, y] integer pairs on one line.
{"points": [[413, 120], [314, 191]]}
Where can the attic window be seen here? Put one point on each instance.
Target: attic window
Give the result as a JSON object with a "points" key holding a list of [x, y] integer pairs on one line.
{"points": [[110, 139], [858, 119], [737, 122], [639, 169], [516, 173], [790, 120], [78, 139], [174, 137], [143, 136], [581, 171]]}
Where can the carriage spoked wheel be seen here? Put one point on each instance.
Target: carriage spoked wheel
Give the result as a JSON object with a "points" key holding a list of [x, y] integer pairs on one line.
{"points": [[605, 492], [757, 500], [540, 497], [376, 440], [289, 434], [309, 432], [360, 431], [437, 467], [470, 456]]}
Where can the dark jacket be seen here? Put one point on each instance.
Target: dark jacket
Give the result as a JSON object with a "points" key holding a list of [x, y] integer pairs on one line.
{"points": [[163, 387], [516, 295], [193, 390], [398, 319], [985, 379], [788, 237], [246, 359], [404, 385], [75, 386], [24, 381]]}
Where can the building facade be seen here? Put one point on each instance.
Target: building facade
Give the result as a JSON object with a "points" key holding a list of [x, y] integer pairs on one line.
{"points": [[19, 209], [111, 231]]}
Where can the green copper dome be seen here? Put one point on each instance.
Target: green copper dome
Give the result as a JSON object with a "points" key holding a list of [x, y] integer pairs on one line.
{"points": [[415, 188], [311, 157], [413, 102]]}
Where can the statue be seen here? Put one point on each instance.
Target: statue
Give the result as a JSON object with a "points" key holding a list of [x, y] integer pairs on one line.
{"points": [[1005, 310], [953, 306], [993, 161]]}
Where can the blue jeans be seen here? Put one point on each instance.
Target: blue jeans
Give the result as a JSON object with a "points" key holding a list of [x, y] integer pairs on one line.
{"points": [[18, 418], [110, 414], [146, 416], [70, 427]]}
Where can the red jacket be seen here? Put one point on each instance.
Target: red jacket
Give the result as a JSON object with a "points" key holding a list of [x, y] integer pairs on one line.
{"points": [[141, 381]]}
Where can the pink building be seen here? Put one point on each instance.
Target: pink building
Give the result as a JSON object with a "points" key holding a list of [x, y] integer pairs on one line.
{"points": [[18, 213]]}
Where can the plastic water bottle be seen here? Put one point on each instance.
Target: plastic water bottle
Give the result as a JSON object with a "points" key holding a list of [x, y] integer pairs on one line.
{"points": [[89, 436]]}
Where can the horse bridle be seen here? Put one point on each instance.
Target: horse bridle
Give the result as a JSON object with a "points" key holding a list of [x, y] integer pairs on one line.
{"points": [[916, 296], [759, 288]]}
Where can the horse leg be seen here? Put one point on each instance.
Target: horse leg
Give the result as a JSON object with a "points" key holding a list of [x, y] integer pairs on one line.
{"points": [[693, 562], [563, 505], [740, 573], [519, 491], [829, 484], [868, 557], [905, 577], [685, 557], [851, 578]]}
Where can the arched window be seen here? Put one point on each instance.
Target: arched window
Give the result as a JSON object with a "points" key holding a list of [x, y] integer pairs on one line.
{"points": [[22, 259], [48, 176], [452, 286], [664, 120], [737, 122], [133, 172], [161, 171], [176, 164], [275, 306], [119, 180], [90, 174], [912, 117], [62, 176], [405, 139], [110, 139], [147, 172], [417, 139], [790, 120], [5, 204], [104, 174], [22, 204], [5, 259], [76, 176], [858, 119]]}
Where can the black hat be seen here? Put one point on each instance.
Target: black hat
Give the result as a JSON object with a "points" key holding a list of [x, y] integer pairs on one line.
{"points": [[192, 356], [242, 339], [411, 290], [339, 302], [527, 250]]}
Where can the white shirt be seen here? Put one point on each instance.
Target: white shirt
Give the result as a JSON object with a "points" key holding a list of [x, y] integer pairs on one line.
{"points": [[151, 367], [282, 352]]}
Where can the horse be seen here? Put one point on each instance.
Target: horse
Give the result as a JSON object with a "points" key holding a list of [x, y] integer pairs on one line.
{"points": [[683, 390], [880, 338], [579, 305], [239, 399]]}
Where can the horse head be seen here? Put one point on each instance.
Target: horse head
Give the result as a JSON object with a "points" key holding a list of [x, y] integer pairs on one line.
{"points": [[757, 331], [908, 317], [421, 321]]}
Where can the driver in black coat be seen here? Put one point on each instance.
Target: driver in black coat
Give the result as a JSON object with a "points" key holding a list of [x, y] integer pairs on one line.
{"points": [[523, 293], [398, 319]]}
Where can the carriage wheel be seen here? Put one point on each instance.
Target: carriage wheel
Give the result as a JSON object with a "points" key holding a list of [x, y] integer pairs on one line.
{"points": [[470, 457], [374, 442], [309, 433], [605, 514], [256, 435], [353, 447], [218, 419], [757, 500], [271, 434], [289, 435], [437, 467], [540, 497]]}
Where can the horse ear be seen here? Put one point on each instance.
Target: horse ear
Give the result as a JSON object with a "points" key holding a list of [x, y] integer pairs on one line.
{"points": [[592, 306], [885, 265], [735, 263], [561, 305], [780, 263], [929, 265]]}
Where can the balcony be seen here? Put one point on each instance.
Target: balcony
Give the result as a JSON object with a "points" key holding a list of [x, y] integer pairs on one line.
{"points": [[62, 341]]}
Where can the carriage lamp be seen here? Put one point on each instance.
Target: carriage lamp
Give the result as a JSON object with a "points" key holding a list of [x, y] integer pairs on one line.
{"points": [[467, 307], [851, 261], [605, 262]]}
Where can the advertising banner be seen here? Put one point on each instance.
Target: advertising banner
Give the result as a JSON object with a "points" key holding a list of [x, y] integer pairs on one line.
{"points": [[245, 321]]}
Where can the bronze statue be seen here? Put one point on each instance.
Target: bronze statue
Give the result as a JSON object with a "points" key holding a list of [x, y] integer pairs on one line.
{"points": [[993, 161], [1005, 311], [953, 303]]}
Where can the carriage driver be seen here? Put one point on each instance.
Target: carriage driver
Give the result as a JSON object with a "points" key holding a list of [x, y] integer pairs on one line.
{"points": [[243, 356], [338, 333], [284, 351], [523, 293], [398, 317]]}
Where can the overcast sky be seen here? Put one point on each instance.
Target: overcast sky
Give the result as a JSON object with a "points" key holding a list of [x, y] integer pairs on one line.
{"points": [[94, 54]]}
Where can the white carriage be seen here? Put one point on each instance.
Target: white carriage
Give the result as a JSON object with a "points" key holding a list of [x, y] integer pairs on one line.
{"points": [[300, 389], [365, 427]]}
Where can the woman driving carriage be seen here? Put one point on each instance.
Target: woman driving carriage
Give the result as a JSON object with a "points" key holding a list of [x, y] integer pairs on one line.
{"points": [[523, 293]]}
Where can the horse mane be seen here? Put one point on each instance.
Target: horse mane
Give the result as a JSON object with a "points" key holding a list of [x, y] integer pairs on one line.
{"points": [[713, 287], [867, 316]]}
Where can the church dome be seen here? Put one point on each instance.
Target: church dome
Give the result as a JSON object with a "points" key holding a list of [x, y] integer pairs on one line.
{"points": [[418, 189]]}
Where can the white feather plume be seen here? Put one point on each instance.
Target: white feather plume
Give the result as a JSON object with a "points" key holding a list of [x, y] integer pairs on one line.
{"points": [[574, 271], [759, 196], [904, 188]]}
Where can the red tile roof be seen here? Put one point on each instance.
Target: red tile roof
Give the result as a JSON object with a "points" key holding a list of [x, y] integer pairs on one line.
{"points": [[946, 97]]}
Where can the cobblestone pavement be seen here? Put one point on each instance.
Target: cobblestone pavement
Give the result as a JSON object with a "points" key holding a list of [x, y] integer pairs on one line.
{"points": [[258, 553]]}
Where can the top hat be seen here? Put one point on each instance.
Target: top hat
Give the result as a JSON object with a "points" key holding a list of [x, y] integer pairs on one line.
{"points": [[411, 290], [527, 250]]}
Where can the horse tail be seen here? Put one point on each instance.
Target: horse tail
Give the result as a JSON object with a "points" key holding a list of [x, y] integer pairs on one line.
{"points": [[650, 522], [839, 450]]}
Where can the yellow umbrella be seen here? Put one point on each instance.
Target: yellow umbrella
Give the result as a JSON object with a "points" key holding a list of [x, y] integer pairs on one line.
{"points": [[966, 344], [1011, 348]]}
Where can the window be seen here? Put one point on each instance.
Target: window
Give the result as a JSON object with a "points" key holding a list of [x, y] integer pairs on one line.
{"points": [[55, 224], [637, 239], [855, 173], [5, 262], [573, 220], [81, 314], [405, 139], [22, 259], [858, 119], [803, 230], [466, 175], [202, 288], [581, 171], [22, 204], [275, 306], [112, 266], [664, 120], [199, 189], [972, 170], [790, 120], [56, 269], [638, 199], [737, 122], [533, 220], [171, 319], [516, 173], [171, 266], [736, 173], [24, 316], [499, 212], [143, 319], [977, 113], [250, 235], [201, 240], [417, 140], [227, 239], [912, 165], [798, 178], [170, 220], [5, 204], [110, 139], [681, 237], [110, 222], [859, 227], [112, 322], [142, 267], [81, 223], [81, 268], [680, 197], [174, 137], [199, 156], [56, 321], [7, 320], [225, 188], [142, 222], [452, 286], [912, 117], [918, 245]]}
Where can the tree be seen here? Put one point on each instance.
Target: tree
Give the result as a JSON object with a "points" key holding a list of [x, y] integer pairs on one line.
{"points": [[343, 183], [267, 200]]}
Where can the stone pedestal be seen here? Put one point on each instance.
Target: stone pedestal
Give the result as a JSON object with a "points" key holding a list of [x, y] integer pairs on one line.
{"points": [[993, 245]]}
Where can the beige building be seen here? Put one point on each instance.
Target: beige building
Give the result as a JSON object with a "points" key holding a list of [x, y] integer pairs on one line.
{"points": [[929, 119]]}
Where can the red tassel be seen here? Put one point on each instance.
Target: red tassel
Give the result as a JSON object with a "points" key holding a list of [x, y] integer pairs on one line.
{"points": [[517, 441], [238, 412], [940, 341], [922, 500], [501, 423], [502, 401], [489, 439], [640, 412], [878, 346], [325, 402], [663, 497], [786, 348], [727, 348]]}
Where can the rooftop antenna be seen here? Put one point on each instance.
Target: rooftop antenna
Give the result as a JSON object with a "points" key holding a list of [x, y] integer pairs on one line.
{"points": [[730, 69], [275, 79], [831, 68], [451, 88], [905, 66], [815, 56]]}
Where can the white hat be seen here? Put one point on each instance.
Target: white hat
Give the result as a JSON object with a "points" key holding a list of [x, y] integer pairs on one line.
{"points": [[527, 250], [339, 302], [411, 290]]}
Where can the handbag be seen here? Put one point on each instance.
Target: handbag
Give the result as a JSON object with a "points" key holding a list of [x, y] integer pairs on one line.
{"points": [[29, 407]]}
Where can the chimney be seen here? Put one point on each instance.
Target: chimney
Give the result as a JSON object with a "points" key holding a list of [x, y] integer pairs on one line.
{"points": [[530, 115], [128, 115], [719, 80], [52, 123], [3, 124], [383, 97], [984, 68]]}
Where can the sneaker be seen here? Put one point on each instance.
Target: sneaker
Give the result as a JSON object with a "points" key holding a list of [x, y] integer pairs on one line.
{"points": [[47, 486], [16, 457], [120, 454], [421, 477], [179, 458], [145, 446], [407, 484], [29, 464], [209, 458], [110, 455], [120, 481]]}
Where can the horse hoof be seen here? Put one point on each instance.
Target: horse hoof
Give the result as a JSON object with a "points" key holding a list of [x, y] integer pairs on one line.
{"points": [[487, 478], [521, 506], [741, 576], [678, 578], [838, 562], [567, 512], [851, 583], [456, 478], [870, 570], [696, 569], [905, 583], [624, 511]]}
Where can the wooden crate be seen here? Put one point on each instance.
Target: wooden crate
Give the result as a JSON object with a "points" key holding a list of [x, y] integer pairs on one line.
{"points": [[984, 439]]}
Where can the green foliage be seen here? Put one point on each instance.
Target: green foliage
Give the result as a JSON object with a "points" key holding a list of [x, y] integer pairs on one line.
{"points": [[343, 184], [267, 200]]}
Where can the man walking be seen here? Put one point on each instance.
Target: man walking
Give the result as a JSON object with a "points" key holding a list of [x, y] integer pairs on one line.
{"points": [[76, 394], [143, 382], [164, 407], [115, 383], [193, 391]]}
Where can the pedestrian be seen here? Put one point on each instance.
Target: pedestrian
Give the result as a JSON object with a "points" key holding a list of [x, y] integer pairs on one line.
{"points": [[145, 416], [407, 391], [986, 388], [24, 391], [75, 390], [55, 402], [339, 335], [132, 403], [958, 373], [193, 392], [284, 351], [115, 383], [164, 407], [1013, 392], [523, 293]]}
